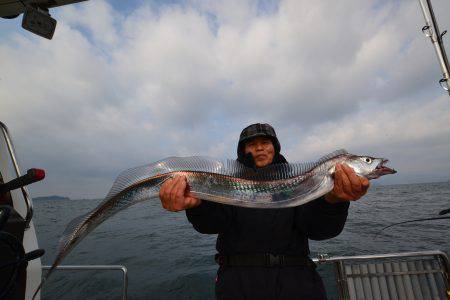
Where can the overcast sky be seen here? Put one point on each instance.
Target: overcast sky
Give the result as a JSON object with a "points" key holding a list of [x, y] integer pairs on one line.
{"points": [[125, 83]]}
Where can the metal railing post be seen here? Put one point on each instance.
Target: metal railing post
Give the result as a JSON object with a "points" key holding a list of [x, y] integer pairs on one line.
{"points": [[123, 269]]}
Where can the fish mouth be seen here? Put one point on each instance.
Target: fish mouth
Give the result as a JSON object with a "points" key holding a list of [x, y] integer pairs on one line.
{"points": [[381, 169]]}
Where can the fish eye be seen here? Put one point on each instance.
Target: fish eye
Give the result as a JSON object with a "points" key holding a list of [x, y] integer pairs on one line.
{"points": [[368, 160]]}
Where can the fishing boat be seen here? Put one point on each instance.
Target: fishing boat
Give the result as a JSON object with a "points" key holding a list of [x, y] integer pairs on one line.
{"points": [[409, 275]]}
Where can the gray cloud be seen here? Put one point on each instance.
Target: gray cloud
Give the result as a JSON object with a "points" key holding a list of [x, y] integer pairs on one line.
{"points": [[112, 91]]}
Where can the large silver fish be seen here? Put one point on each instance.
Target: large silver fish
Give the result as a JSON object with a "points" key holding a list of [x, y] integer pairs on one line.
{"points": [[228, 182]]}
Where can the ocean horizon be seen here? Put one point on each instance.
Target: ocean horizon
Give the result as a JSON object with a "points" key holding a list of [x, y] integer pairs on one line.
{"points": [[372, 184]]}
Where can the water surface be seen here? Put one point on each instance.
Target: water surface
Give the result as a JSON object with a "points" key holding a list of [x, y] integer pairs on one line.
{"points": [[167, 259]]}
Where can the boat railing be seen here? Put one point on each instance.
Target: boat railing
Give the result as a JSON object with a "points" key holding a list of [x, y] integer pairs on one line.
{"points": [[120, 268], [407, 275], [10, 146]]}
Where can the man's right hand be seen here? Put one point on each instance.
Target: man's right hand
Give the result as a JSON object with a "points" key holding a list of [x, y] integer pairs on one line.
{"points": [[174, 195]]}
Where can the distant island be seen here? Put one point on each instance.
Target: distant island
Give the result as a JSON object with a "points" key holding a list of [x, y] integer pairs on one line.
{"points": [[54, 197]]}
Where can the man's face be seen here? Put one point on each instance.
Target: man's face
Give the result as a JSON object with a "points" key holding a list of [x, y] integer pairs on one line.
{"points": [[261, 149]]}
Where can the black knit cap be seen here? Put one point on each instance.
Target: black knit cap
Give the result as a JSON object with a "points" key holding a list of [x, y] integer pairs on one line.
{"points": [[253, 131]]}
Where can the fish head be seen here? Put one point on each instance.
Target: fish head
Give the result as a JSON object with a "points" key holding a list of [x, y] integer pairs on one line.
{"points": [[369, 167]]}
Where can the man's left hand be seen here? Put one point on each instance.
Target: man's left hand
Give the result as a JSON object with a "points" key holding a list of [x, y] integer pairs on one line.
{"points": [[347, 185]]}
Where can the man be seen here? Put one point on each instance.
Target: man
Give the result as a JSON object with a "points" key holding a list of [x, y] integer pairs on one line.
{"points": [[263, 253]]}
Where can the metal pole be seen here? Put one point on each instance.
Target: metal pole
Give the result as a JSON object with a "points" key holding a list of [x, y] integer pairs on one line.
{"points": [[25, 193], [431, 30], [439, 253]]}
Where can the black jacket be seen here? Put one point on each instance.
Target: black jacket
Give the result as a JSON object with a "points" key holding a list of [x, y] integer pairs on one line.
{"points": [[278, 231]]}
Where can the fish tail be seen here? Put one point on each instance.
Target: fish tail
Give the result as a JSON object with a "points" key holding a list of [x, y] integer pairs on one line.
{"points": [[47, 275], [80, 226], [65, 244], [38, 289], [74, 227]]}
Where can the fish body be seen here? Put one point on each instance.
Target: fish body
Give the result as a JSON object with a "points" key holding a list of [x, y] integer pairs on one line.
{"points": [[228, 182]]}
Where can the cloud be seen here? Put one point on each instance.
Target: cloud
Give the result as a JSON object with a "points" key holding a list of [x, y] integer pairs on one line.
{"points": [[115, 90], [98, 20], [415, 140]]}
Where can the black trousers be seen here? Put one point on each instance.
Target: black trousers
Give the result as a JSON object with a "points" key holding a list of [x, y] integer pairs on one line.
{"points": [[263, 283]]}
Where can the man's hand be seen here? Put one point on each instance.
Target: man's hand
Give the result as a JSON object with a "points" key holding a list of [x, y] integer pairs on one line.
{"points": [[347, 185], [174, 195]]}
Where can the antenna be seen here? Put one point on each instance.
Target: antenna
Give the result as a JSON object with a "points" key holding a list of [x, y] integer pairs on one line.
{"points": [[431, 30]]}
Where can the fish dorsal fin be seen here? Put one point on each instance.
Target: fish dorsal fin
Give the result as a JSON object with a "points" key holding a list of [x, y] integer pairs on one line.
{"points": [[210, 165], [168, 165], [278, 171], [71, 229], [285, 171], [332, 155]]}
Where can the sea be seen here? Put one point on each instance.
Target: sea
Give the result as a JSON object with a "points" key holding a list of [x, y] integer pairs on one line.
{"points": [[167, 259]]}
